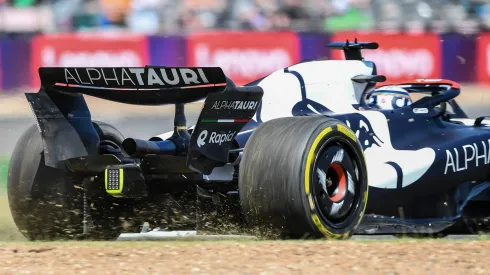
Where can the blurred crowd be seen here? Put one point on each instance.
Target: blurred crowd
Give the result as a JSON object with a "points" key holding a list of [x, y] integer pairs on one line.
{"points": [[179, 16]]}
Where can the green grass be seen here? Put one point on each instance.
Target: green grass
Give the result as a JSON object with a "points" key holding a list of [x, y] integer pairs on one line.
{"points": [[8, 230], [4, 167]]}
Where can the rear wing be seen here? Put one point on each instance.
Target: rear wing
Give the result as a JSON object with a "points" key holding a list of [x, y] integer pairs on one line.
{"points": [[136, 85], [64, 119]]}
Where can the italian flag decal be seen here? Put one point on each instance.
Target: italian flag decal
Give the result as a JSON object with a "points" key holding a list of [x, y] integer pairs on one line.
{"points": [[225, 120]]}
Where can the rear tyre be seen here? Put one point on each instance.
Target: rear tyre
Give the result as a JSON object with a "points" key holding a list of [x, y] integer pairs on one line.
{"points": [[303, 177], [49, 204]]}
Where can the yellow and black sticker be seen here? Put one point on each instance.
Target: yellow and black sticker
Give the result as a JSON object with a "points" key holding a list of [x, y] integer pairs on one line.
{"points": [[311, 202], [346, 131], [114, 181]]}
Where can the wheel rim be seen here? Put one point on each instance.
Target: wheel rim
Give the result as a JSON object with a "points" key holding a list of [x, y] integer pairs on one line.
{"points": [[336, 184]]}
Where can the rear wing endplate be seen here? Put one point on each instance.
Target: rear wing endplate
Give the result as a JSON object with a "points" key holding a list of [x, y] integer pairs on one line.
{"points": [[222, 118], [64, 119]]}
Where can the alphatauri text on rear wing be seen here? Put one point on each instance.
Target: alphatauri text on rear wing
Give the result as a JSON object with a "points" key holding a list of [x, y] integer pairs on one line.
{"points": [[142, 86], [64, 119]]}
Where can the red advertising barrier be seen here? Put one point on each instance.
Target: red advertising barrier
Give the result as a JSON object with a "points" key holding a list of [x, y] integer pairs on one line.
{"points": [[244, 56], [88, 50], [483, 58], [400, 57]]}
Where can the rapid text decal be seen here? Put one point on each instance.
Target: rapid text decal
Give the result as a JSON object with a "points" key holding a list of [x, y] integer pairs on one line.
{"points": [[214, 138]]}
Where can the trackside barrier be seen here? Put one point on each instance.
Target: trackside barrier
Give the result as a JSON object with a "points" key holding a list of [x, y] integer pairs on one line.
{"points": [[459, 57], [167, 51], [483, 58], [312, 46], [245, 56], [15, 59], [87, 50]]}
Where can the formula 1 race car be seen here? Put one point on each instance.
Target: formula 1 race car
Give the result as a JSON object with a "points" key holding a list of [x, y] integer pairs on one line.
{"points": [[294, 153]]}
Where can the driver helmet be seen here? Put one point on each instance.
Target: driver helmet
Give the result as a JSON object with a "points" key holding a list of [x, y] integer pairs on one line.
{"points": [[389, 98]]}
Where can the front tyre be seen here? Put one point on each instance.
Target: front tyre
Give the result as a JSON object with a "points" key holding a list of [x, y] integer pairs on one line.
{"points": [[304, 177]]}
